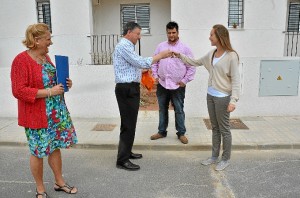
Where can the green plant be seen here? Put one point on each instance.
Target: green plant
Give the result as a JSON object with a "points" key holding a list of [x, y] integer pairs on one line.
{"points": [[234, 25]]}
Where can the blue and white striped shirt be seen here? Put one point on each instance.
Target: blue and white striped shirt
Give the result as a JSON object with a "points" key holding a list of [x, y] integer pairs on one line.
{"points": [[127, 63]]}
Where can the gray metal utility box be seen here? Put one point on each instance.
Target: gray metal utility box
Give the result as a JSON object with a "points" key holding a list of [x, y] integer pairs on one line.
{"points": [[279, 77]]}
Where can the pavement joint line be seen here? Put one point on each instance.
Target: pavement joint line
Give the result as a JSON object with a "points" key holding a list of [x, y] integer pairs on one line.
{"points": [[7, 125]]}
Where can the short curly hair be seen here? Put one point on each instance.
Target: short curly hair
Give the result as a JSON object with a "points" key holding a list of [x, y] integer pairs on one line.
{"points": [[34, 31]]}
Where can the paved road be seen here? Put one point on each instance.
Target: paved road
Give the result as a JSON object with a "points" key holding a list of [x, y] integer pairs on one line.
{"points": [[163, 174]]}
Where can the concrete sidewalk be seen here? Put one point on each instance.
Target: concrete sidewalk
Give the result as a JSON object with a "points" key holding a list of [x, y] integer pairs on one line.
{"points": [[263, 133]]}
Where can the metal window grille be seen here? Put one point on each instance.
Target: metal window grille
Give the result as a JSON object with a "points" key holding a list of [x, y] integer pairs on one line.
{"points": [[139, 13], [293, 27], [44, 12], [103, 47], [294, 17], [236, 13]]}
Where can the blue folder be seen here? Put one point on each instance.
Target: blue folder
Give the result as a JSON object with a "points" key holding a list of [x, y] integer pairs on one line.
{"points": [[62, 70]]}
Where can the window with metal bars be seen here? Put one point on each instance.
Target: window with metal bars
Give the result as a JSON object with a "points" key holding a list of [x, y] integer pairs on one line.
{"points": [[44, 12], [292, 37], [139, 13], [294, 17], [235, 13]]}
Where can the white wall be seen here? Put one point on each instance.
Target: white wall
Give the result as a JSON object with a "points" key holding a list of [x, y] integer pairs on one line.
{"points": [[107, 21], [251, 104], [70, 29], [93, 91], [15, 16], [14, 19], [262, 38], [93, 94], [262, 35]]}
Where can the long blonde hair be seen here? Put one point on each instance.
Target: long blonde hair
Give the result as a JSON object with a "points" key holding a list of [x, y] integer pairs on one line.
{"points": [[222, 35], [32, 32]]}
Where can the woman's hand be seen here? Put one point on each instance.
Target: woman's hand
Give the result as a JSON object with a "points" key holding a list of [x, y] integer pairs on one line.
{"points": [[57, 90], [231, 107], [69, 83]]}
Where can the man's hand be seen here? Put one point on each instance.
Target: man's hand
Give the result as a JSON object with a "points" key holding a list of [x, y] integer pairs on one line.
{"points": [[175, 54], [145, 70], [181, 84], [165, 54]]}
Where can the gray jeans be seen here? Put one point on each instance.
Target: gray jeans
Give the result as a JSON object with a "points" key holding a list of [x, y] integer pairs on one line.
{"points": [[219, 118]]}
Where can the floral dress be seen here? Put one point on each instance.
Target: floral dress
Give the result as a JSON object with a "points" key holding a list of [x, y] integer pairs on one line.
{"points": [[60, 132]]}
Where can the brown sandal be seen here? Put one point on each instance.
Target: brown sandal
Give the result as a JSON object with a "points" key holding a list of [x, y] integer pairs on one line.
{"points": [[66, 188]]}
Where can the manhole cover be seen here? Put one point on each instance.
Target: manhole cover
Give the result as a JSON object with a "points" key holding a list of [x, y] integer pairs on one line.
{"points": [[234, 124], [104, 127]]}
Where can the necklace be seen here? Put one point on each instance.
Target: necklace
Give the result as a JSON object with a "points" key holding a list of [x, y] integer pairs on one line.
{"points": [[38, 59], [42, 60]]}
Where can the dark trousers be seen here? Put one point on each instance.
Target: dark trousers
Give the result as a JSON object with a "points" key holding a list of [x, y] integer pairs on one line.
{"points": [[128, 97], [164, 96]]}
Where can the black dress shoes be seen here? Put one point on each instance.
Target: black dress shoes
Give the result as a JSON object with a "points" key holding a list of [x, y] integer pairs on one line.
{"points": [[135, 156], [128, 166]]}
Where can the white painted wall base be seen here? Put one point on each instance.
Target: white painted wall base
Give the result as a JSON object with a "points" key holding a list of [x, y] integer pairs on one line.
{"points": [[93, 94]]}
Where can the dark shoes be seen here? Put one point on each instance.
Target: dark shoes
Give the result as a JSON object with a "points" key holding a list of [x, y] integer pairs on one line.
{"points": [[156, 136], [128, 166], [135, 156], [38, 195], [65, 188]]}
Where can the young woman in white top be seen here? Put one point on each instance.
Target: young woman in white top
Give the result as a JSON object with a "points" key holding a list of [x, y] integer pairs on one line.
{"points": [[222, 64]]}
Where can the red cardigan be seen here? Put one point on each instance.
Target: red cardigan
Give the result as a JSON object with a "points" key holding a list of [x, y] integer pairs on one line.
{"points": [[26, 80]]}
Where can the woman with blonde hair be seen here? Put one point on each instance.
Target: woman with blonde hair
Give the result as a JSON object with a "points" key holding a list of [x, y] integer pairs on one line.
{"points": [[41, 107], [222, 64]]}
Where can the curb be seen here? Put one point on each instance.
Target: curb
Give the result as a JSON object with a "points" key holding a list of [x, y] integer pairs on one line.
{"points": [[204, 147]]}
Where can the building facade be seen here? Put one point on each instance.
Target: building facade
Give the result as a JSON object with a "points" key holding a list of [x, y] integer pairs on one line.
{"points": [[264, 33]]}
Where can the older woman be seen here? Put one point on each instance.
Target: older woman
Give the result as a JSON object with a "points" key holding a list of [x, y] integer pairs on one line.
{"points": [[41, 107]]}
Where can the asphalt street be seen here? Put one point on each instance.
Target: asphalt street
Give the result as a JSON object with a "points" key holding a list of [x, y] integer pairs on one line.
{"points": [[163, 174]]}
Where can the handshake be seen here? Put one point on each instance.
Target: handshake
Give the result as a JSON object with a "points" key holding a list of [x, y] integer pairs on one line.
{"points": [[168, 54]]}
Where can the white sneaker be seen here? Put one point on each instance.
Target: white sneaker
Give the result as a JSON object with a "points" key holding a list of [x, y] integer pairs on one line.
{"points": [[208, 161], [222, 165]]}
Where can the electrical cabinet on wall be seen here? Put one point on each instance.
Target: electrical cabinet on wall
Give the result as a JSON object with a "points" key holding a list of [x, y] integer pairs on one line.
{"points": [[279, 77]]}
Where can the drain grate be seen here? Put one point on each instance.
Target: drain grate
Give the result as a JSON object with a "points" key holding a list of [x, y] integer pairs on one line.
{"points": [[104, 127], [234, 124]]}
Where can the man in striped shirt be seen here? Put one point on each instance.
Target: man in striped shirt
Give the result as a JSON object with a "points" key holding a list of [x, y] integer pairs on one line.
{"points": [[128, 66]]}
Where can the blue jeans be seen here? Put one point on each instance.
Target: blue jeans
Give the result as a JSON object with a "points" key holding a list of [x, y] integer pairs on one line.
{"points": [[164, 96]]}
